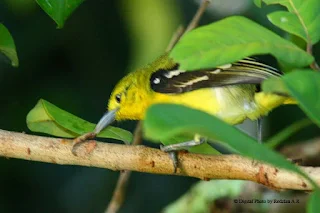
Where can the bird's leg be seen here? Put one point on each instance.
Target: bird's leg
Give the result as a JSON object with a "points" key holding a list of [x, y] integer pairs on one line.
{"points": [[184, 145], [173, 148], [259, 129]]}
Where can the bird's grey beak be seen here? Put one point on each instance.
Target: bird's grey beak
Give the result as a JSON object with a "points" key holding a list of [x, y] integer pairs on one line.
{"points": [[105, 121]]}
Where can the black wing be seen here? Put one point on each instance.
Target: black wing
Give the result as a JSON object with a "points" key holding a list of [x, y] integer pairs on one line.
{"points": [[245, 71]]}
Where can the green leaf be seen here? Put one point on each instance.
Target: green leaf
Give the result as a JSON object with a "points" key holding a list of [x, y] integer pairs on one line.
{"points": [[302, 19], [314, 204], [257, 3], [288, 22], [304, 87], [7, 46], [49, 119], [59, 10], [165, 121], [232, 39]]}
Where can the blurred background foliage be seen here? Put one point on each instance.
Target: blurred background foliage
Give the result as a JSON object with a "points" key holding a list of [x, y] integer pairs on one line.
{"points": [[76, 68]]}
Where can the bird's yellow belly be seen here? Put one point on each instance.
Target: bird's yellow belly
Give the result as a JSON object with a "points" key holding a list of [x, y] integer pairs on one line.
{"points": [[232, 104]]}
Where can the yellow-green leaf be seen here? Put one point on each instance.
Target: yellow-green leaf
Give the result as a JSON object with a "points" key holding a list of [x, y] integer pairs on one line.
{"points": [[47, 118], [302, 19], [232, 39]]}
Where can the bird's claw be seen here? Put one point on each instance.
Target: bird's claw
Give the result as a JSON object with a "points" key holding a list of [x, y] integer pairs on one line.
{"points": [[81, 139], [173, 156]]}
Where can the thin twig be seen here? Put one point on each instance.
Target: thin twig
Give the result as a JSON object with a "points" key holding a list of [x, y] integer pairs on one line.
{"points": [[143, 159], [193, 23], [120, 190], [175, 38], [195, 20]]}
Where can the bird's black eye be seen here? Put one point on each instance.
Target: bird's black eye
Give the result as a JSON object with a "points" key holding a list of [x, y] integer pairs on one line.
{"points": [[118, 98]]}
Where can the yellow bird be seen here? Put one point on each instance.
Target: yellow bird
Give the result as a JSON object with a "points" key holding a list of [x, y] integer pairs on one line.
{"points": [[230, 92]]}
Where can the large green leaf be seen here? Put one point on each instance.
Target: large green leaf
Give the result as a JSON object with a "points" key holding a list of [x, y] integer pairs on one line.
{"points": [[303, 86], [232, 39], [59, 10], [49, 119], [7, 46], [164, 121], [302, 19]]}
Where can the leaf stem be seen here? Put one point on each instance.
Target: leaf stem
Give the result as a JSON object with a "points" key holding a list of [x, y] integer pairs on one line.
{"points": [[277, 139], [314, 64]]}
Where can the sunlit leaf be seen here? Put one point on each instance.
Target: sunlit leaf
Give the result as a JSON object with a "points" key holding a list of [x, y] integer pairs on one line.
{"points": [[232, 39], [302, 19], [59, 10], [7, 46], [49, 119]]}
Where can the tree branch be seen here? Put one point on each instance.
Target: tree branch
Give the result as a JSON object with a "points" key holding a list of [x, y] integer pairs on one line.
{"points": [[144, 159]]}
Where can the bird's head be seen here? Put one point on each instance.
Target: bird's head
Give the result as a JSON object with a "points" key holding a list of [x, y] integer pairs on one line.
{"points": [[132, 95]]}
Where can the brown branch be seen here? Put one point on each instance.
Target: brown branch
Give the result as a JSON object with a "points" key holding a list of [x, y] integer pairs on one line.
{"points": [[120, 190], [144, 159]]}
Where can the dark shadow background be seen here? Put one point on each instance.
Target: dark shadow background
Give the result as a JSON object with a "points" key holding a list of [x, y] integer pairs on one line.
{"points": [[76, 68]]}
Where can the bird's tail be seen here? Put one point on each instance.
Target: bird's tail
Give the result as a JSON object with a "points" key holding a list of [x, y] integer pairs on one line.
{"points": [[290, 101], [269, 101]]}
